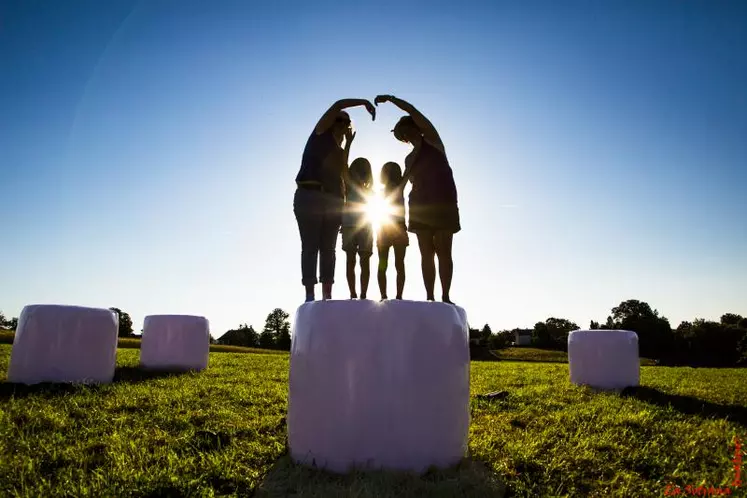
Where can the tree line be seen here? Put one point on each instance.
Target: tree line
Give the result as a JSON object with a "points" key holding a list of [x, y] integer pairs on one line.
{"points": [[8, 323], [698, 343], [125, 322], [274, 335]]}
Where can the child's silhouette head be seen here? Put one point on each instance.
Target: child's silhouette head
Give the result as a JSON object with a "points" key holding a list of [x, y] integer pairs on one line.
{"points": [[391, 174], [360, 172]]}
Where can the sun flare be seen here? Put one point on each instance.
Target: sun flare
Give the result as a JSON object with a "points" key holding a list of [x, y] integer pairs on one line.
{"points": [[378, 210]]}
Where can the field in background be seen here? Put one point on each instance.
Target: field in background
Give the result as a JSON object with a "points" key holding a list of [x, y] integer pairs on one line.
{"points": [[223, 431], [6, 337], [542, 355]]}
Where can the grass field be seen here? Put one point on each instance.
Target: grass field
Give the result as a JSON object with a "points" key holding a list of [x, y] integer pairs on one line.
{"points": [[222, 432], [6, 337], [542, 355]]}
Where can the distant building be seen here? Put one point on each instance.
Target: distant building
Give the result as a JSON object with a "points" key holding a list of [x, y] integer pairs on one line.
{"points": [[522, 337]]}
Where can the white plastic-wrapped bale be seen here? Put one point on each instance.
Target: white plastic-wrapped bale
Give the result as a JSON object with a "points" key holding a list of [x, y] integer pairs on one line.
{"points": [[379, 385], [175, 342], [64, 344], [604, 359]]}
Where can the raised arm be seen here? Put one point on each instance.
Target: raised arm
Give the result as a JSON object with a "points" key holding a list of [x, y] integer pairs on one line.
{"points": [[406, 175], [429, 131], [349, 136], [329, 117], [338, 159]]}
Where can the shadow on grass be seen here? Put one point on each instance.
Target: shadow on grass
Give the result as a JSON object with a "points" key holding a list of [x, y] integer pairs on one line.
{"points": [[468, 479], [122, 375], [688, 404], [139, 374], [482, 354]]}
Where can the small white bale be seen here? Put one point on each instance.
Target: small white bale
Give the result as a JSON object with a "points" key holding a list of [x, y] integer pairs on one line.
{"points": [[604, 359], [379, 385], [64, 344], [178, 342]]}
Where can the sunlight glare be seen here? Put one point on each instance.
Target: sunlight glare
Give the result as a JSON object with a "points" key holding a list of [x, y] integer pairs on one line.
{"points": [[378, 210]]}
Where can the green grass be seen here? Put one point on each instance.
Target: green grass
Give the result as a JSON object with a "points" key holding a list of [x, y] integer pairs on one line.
{"points": [[222, 432], [6, 337], [134, 343], [541, 355]]}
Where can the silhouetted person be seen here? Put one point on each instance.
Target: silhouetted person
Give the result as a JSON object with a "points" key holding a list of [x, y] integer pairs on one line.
{"points": [[357, 230], [434, 214], [318, 200], [393, 232]]}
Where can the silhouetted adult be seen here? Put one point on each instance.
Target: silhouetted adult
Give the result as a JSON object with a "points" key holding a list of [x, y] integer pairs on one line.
{"points": [[433, 210], [320, 192]]}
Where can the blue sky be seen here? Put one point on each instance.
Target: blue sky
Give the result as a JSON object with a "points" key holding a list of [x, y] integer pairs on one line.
{"points": [[148, 150]]}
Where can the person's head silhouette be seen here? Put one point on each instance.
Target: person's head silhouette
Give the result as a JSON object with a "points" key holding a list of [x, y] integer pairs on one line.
{"points": [[391, 175], [360, 172], [406, 130]]}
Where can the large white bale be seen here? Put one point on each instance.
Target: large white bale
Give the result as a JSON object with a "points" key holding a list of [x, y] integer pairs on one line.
{"points": [[60, 343], [175, 342], [379, 385], [605, 359]]}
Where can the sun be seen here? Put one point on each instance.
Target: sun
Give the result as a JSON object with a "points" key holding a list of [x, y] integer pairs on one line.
{"points": [[378, 210]]}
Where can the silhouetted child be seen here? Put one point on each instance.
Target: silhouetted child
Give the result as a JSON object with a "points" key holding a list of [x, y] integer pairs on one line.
{"points": [[357, 231], [393, 232]]}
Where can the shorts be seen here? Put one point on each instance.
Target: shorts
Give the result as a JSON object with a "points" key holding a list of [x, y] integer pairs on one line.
{"points": [[434, 218], [392, 235], [358, 239]]}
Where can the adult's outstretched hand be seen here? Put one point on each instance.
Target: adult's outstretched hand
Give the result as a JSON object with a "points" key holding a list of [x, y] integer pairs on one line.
{"points": [[371, 110], [380, 99]]}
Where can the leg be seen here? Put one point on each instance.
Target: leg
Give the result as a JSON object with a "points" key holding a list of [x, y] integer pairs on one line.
{"points": [[306, 210], [365, 249], [383, 263], [350, 272], [399, 264], [442, 241], [331, 222], [365, 272], [427, 263]]}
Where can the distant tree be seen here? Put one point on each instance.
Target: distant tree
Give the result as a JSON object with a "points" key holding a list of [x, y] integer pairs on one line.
{"points": [[593, 325], [475, 337], [266, 340], [553, 333], [284, 339], [730, 319], [486, 333], [684, 325], [275, 324], [244, 336], [125, 323], [12, 323], [742, 349], [252, 337], [655, 337], [709, 343], [743, 323], [500, 339], [2, 318], [541, 336]]}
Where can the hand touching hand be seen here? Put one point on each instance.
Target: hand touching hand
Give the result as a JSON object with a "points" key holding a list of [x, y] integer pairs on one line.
{"points": [[380, 99]]}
